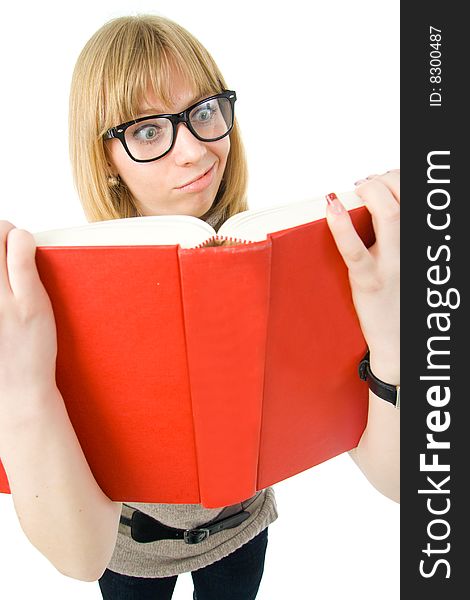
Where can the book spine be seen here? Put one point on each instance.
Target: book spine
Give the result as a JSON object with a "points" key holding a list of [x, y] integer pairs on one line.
{"points": [[225, 301], [220, 240]]}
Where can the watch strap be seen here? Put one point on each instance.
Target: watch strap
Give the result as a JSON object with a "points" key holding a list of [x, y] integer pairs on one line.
{"points": [[386, 391]]}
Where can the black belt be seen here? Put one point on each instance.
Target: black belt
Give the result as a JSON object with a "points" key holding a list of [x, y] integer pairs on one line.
{"points": [[145, 528]]}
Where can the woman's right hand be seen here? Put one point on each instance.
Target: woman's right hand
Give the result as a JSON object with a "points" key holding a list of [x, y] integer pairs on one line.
{"points": [[28, 337]]}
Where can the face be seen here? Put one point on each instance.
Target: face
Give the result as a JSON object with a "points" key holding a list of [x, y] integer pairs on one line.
{"points": [[158, 187]]}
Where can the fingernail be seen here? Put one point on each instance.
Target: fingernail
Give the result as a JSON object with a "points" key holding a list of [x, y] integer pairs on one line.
{"points": [[333, 202], [359, 181]]}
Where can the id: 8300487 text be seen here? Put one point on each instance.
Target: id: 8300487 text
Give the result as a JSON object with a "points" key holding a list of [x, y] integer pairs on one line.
{"points": [[435, 66]]}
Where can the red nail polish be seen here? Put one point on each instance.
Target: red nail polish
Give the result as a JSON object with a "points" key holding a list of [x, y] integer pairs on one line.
{"points": [[334, 203], [331, 197]]}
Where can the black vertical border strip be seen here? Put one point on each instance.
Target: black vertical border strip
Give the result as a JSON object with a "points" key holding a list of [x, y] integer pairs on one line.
{"points": [[424, 129]]}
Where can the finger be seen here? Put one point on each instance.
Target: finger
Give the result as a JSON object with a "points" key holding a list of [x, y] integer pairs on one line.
{"points": [[391, 179], [5, 227], [368, 178], [22, 271], [385, 210], [353, 251]]}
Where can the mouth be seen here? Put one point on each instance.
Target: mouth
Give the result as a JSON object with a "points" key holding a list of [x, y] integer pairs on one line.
{"points": [[199, 177], [199, 184]]}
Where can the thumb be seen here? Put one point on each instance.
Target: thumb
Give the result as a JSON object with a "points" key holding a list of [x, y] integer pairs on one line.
{"points": [[21, 264]]}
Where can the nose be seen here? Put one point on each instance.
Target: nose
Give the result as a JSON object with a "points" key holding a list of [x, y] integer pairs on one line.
{"points": [[187, 147]]}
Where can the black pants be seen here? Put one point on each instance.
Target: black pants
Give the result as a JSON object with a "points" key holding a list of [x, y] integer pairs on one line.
{"points": [[235, 577]]}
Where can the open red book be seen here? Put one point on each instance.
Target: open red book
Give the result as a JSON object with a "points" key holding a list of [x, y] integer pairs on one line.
{"points": [[199, 374]]}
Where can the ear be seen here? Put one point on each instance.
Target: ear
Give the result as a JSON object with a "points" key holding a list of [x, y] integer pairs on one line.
{"points": [[112, 171]]}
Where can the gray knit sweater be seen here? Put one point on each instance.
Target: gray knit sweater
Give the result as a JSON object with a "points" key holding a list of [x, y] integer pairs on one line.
{"points": [[172, 557]]}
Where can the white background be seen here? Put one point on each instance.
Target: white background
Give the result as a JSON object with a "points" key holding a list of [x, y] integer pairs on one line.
{"points": [[318, 105]]}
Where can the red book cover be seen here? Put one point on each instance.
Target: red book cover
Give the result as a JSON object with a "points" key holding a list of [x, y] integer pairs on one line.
{"points": [[200, 375]]}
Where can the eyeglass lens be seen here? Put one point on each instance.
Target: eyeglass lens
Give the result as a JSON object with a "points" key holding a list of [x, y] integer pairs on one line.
{"points": [[151, 138]]}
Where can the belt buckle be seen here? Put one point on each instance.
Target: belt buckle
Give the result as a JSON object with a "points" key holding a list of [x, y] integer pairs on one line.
{"points": [[195, 536]]}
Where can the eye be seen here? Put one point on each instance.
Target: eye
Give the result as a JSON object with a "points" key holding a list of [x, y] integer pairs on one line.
{"points": [[205, 113], [146, 133]]}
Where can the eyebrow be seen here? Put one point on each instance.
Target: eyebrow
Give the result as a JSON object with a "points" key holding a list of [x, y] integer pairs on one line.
{"points": [[159, 111]]}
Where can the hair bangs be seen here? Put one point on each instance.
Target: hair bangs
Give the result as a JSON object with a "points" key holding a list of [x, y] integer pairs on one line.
{"points": [[149, 68]]}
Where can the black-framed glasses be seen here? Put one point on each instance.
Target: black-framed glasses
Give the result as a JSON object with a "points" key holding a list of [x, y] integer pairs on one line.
{"points": [[150, 138]]}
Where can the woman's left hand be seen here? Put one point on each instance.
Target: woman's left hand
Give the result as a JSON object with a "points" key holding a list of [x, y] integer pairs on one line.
{"points": [[374, 272]]}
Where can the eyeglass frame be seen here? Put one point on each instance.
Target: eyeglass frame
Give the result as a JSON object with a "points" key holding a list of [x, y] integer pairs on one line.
{"points": [[119, 131]]}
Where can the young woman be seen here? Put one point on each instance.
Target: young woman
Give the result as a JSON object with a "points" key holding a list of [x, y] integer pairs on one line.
{"points": [[153, 131]]}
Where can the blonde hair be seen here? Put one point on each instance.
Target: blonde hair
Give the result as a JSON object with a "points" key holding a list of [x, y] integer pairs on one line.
{"points": [[111, 78]]}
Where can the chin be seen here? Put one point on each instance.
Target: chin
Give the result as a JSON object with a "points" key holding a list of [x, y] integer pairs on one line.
{"points": [[203, 209]]}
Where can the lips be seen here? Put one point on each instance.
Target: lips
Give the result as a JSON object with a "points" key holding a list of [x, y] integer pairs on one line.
{"points": [[195, 179]]}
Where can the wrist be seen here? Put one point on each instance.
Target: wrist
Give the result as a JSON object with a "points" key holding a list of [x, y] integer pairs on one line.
{"points": [[385, 364], [20, 407], [380, 385], [385, 371]]}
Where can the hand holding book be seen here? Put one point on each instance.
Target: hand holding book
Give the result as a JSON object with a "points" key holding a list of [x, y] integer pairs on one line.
{"points": [[28, 344], [374, 273]]}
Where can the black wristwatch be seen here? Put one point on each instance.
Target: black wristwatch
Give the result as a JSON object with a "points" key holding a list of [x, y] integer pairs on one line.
{"points": [[386, 391]]}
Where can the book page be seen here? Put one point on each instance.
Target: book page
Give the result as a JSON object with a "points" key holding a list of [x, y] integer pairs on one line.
{"points": [[184, 230], [191, 232], [254, 225]]}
